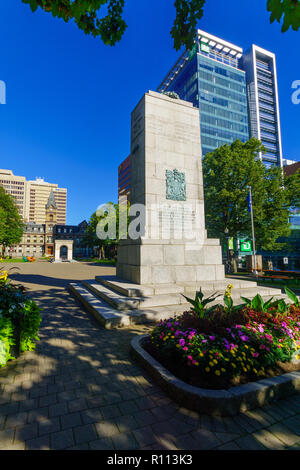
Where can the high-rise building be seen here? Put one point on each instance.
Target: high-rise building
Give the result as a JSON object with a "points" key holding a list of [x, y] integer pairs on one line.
{"points": [[31, 197], [38, 193], [16, 187], [236, 93], [124, 181], [262, 89]]}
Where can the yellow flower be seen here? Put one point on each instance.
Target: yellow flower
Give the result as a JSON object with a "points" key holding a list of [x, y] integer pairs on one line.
{"points": [[207, 369], [233, 365], [223, 370], [217, 372], [211, 364], [215, 361]]}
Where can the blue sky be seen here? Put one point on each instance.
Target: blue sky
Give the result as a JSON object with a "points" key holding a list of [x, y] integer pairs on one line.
{"points": [[69, 97]]}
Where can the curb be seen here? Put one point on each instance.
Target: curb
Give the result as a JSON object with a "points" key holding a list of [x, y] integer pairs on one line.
{"points": [[216, 402]]}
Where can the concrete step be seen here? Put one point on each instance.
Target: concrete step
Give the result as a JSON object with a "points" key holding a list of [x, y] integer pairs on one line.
{"points": [[107, 316], [122, 302], [136, 290]]}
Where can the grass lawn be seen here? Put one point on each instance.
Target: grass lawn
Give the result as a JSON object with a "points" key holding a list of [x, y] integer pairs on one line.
{"points": [[13, 260]]}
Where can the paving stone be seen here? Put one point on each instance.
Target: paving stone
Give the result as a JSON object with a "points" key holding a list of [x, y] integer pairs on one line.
{"points": [[228, 446], [205, 439], [70, 420], [249, 443], [144, 418], [293, 424], [77, 405], [145, 436], [96, 401], [6, 438], [226, 436], [85, 433], [101, 444], [268, 440], [91, 416], [126, 423], [145, 403], [26, 432], [38, 414], [49, 425], [284, 434], [128, 407], [124, 441], [110, 411], [15, 420], [39, 443], [62, 440], [58, 409], [106, 428], [48, 400]]}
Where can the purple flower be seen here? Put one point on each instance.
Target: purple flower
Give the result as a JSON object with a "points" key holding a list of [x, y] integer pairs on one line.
{"points": [[244, 338], [181, 342], [212, 338]]}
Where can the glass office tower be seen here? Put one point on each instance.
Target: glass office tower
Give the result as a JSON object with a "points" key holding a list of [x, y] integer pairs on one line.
{"points": [[260, 67], [236, 94]]}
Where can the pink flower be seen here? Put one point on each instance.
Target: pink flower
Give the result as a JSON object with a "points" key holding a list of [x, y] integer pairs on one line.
{"points": [[255, 354], [181, 342], [190, 358], [185, 348]]}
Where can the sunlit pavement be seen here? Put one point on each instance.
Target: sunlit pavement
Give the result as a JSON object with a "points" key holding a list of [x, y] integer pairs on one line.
{"points": [[81, 389]]}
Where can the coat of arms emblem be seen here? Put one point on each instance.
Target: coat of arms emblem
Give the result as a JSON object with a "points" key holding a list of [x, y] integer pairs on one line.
{"points": [[175, 185]]}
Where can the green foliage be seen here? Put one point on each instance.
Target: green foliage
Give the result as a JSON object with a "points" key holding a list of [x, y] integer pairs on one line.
{"points": [[292, 296], [258, 304], [288, 10], [228, 172], [188, 12], [107, 248], [30, 326], [111, 26], [199, 303], [6, 340], [11, 225], [22, 312]]}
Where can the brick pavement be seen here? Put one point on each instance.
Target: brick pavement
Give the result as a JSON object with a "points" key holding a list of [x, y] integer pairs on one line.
{"points": [[80, 389]]}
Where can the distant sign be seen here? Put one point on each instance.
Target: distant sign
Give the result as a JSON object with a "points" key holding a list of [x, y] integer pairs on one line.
{"points": [[246, 246], [285, 261], [204, 47]]}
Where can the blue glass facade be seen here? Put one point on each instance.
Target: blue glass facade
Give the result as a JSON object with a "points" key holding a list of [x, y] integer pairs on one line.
{"points": [[219, 91]]}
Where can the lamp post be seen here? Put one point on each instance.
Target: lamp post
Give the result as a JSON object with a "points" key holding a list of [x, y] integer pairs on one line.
{"points": [[250, 209]]}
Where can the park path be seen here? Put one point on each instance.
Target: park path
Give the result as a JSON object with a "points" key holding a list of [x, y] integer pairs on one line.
{"points": [[80, 389]]}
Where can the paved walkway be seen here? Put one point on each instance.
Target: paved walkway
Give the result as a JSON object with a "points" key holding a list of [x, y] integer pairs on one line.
{"points": [[80, 389]]}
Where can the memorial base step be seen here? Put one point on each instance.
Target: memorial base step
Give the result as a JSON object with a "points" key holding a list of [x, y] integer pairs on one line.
{"points": [[118, 303]]}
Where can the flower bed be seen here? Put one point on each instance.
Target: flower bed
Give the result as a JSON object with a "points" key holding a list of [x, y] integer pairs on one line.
{"points": [[19, 321], [222, 346]]}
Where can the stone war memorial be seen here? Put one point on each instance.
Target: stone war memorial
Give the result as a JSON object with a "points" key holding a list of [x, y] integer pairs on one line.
{"points": [[170, 255]]}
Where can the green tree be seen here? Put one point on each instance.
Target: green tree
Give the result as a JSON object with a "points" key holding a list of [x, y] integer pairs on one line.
{"points": [[288, 10], [110, 27], [11, 225], [106, 247], [227, 173]]}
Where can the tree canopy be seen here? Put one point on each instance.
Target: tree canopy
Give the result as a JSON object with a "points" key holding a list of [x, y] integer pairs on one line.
{"points": [[111, 26], [11, 225], [106, 220], [228, 172]]}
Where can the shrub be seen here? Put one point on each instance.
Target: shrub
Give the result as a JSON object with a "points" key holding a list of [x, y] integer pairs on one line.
{"points": [[243, 343], [23, 314], [6, 340]]}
